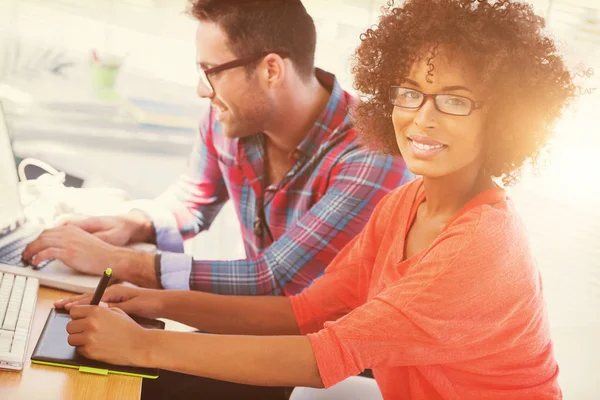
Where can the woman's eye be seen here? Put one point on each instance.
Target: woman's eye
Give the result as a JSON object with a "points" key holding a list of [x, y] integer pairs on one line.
{"points": [[411, 94], [456, 101]]}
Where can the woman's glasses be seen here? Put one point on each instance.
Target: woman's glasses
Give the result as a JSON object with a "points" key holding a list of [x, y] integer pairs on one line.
{"points": [[412, 99]]}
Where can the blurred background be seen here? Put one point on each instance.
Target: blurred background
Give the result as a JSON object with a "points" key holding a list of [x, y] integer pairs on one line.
{"points": [[105, 91]]}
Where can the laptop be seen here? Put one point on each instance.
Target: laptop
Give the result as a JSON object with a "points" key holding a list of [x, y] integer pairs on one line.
{"points": [[16, 231]]}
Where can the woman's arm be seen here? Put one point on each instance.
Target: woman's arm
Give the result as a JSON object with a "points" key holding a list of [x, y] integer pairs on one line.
{"points": [[234, 315], [110, 335], [259, 315], [252, 360], [331, 296]]}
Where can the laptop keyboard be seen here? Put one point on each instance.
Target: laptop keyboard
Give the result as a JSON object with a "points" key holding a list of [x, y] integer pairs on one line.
{"points": [[18, 295], [11, 253]]}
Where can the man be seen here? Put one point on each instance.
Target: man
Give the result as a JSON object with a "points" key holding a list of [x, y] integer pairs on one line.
{"points": [[277, 141]]}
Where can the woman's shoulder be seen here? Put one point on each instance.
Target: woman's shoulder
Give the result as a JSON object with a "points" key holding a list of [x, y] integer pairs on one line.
{"points": [[490, 226], [491, 210]]}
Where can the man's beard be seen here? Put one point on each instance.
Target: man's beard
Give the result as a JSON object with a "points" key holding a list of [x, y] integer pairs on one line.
{"points": [[253, 121]]}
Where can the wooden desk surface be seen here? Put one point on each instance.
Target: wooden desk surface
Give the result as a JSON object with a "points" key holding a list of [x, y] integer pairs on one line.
{"points": [[45, 382]]}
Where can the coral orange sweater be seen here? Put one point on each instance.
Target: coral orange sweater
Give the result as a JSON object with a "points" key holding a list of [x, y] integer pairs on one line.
{"points": [[463, 319]]}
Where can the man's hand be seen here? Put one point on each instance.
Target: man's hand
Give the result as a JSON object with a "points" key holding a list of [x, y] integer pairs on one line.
{"points": [[133, 227], [109, 335], [135, 301], [74, 247], [87, 254]]}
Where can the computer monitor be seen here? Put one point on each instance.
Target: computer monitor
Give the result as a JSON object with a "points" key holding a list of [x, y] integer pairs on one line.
{"points": [[11, 209]]}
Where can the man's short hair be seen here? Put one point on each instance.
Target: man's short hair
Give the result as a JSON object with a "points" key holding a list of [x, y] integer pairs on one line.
{"points": [[255, 26]]}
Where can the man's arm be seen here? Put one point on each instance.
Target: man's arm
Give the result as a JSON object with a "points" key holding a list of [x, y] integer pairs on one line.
{"points": [[186, 208], [302, 253], [192, 203]]}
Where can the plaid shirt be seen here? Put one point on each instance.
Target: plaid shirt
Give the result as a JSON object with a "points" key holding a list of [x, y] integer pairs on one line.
{"points": [[325, 200]]}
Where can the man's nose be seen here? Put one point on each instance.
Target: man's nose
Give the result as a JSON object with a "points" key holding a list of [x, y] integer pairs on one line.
{"points": [[204, 91]]}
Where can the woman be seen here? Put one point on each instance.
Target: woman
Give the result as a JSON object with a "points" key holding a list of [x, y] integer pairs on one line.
{"points": [[439, 294]]}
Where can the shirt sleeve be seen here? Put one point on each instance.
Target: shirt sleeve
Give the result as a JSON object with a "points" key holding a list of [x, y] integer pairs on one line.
{"points": [[466, 299], [192, 203], [301, 254], [342, 288]]}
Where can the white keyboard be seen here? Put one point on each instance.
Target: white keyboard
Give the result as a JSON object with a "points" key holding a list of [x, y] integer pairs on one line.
{"points": [[18, 295]]}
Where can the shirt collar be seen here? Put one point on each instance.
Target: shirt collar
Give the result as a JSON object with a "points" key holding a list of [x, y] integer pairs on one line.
{"points": [[333, 115]]}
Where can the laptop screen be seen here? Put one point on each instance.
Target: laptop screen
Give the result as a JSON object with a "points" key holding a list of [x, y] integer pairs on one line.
{"points": [[11, 210]]}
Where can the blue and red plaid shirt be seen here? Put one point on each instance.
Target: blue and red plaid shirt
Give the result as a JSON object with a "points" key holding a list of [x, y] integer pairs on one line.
{"points": [[325, 200]]}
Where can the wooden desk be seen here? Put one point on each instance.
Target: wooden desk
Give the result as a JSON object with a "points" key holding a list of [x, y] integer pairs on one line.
{"points": [[45, 382]]}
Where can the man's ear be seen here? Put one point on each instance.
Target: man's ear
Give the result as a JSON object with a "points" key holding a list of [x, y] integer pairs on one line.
{"points": [[273, 70]]}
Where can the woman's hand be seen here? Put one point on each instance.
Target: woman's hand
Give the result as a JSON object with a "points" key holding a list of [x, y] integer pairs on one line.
{"points": [[109, 335], [133, 300]]}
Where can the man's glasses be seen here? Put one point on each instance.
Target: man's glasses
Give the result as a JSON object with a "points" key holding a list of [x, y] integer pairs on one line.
{"points": [[205, 73], [412, 99]]}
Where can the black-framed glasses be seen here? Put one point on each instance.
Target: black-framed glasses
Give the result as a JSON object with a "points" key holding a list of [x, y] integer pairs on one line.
{"points": [[240, 62], [451, 104]]}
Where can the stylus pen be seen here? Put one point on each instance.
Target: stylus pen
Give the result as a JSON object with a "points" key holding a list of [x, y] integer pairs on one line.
{"points": [[101, 287]]}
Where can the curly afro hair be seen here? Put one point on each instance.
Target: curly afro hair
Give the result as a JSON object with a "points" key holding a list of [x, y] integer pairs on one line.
{"points": [[527, 83]]}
